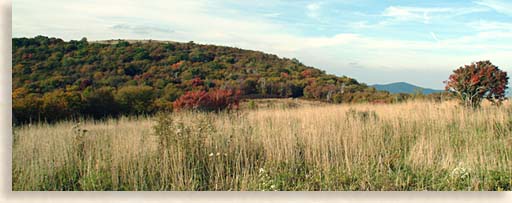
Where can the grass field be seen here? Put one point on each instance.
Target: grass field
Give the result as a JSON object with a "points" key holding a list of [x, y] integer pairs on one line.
{"points": [[409, 146]]}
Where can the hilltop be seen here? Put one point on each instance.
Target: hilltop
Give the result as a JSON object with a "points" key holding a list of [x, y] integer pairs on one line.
{"points": [[54, 79]]}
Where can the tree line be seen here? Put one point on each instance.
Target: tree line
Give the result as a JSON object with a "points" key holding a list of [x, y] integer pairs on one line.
{"points": [[54, 79]]}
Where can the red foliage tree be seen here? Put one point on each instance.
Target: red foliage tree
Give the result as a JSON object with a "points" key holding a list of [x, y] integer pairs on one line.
{"points": [[320, 91], [197, 82], [480, 80], [214, 100], [306, 73], [177, 65]]}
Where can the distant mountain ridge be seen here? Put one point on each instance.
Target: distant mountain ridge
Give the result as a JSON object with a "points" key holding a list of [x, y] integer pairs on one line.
{"points": [[403, 87]]}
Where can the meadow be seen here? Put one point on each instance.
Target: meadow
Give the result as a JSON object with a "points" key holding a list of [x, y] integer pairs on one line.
{"points": [[285, 146]]}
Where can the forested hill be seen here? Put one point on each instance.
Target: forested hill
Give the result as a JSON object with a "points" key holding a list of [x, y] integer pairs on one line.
{"points": [[55, 79], [403, 87]]}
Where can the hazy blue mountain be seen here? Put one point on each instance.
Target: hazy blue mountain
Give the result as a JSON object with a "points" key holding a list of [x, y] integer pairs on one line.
{"points": [[403, 87]]}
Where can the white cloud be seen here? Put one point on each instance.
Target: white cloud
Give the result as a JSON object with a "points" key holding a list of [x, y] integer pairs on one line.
{"points": [[498, 5], [483, 25], [141, 29], [397, 15], [426, 14], [272, 15], [337, 40], [313, 9], [434, 36], [412, 13], [359, 24]]}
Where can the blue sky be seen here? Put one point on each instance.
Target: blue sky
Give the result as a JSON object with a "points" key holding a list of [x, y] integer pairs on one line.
{"points": [[374, 41]]}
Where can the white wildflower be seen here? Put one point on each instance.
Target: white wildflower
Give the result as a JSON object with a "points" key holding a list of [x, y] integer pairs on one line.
{"points": [[460, 172], [262, 170], [211, 154]]}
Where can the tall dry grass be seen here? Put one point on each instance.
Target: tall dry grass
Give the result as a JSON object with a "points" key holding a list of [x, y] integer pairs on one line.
{"points": [[409, 146]]}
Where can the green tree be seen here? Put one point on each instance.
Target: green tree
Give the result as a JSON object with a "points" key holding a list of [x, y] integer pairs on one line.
{"points": [[100, 103], [58, 105], [135, 99], [26, 109]]}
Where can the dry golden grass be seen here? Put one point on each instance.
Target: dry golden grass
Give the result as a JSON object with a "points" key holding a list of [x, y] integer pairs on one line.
{"points": [[409, 146]]}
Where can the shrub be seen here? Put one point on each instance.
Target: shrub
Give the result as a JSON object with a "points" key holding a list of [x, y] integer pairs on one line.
{"points": [[214, 100]]}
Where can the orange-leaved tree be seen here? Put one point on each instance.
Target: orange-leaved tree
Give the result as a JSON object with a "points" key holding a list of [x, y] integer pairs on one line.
{"points": [[478, 81]]}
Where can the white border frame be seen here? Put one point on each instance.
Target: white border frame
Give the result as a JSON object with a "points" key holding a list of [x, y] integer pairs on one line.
{"points": [[6, 195]]}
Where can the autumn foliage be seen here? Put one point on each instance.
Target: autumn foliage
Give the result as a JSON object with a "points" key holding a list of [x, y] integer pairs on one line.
{"points": [[213, 100], [54, 80], [478, 81]]}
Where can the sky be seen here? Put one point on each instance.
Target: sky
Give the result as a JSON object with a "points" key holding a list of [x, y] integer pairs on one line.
{"points": [[373, 41]]}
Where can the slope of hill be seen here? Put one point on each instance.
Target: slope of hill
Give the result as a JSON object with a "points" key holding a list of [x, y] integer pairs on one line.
{"points": [[54, 79], [403, 87]]}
